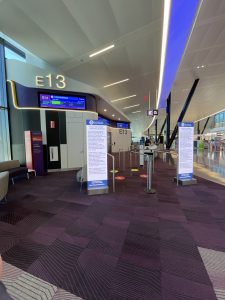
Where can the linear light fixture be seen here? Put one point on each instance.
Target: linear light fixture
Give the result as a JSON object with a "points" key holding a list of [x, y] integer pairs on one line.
{"points": [[117, 82], [166, 19], [135, 112], [131, 106], [119, 99], [102, 50]]}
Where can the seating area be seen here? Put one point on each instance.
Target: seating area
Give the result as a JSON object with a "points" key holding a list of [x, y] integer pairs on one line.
{"points": [[14, 169], [4, 183], [9, 171]]}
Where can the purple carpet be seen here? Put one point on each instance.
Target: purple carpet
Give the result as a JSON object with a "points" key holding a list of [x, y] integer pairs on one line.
{"points": [[127, 245]]}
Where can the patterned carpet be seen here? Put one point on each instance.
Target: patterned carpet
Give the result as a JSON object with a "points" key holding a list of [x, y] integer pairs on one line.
{"points": [[56, 241]]}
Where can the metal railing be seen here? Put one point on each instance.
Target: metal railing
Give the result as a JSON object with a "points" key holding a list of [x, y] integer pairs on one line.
{"points": [[113, 167]]}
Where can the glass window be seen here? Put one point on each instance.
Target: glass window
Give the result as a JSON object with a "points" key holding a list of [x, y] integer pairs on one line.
{"points": [[10, 54], [4, 136], [5, 153]]}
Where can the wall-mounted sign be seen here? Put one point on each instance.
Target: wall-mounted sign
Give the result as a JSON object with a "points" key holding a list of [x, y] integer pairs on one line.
{"points": [[97, 164], [122, 131], [50, 81], [185, 150]]}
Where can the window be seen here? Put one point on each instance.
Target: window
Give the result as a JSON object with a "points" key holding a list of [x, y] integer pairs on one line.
{"points": [[5, 153], [11, 52], [4, 135]]}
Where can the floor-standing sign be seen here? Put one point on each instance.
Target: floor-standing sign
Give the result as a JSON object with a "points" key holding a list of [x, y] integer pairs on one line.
{"points": [[97, 164], [34, 151], [185, 152]]}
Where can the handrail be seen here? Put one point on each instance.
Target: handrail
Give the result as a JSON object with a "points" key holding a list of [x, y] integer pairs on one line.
{"points": [[113, 162]]}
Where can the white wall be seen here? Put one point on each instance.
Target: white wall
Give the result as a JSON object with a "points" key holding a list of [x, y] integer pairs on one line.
{"points": [[121, 139], [25, 74], [74, 153]]}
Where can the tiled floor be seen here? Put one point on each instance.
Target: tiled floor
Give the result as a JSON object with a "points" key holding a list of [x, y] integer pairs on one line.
{"points": [[127, 245]]}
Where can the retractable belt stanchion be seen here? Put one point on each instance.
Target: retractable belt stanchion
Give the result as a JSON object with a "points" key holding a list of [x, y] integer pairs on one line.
{"points": [[149, 154]]}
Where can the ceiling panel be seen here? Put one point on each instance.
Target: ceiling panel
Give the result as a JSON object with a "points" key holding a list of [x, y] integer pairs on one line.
{"points": [[65, 32], [206, 47], [20, 27], [96, 19], [132, 14], [56, 20]]}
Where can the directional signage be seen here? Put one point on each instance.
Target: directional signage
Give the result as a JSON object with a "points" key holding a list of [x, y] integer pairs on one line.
{"points": [[152, 113]]}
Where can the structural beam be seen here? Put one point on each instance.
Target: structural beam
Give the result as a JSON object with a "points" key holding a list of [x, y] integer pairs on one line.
{"points": [[161, 131], [198, 128], [168, 110], [183, 112], [156, 129], [206, 123]]}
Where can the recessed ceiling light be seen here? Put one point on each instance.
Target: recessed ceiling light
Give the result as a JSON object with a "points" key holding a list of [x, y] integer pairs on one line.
{"points": [[203, 66], [102, 50], [113, 115], [105, 109], [119, 99], [198, 67], [131, 106], [135, 112], [119, 119], [114, 83]]}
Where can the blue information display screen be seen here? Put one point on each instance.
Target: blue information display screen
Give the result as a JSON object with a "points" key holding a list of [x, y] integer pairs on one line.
{"points": [[105, 120], [122, 125], [62, 101]]}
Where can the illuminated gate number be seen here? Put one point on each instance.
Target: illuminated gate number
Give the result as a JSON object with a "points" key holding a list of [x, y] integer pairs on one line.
{"points": [[60, 81]]}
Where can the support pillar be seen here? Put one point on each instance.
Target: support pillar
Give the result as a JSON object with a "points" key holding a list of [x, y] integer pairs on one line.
{"points": [[198, 129], [156, 128], [206, 123], [183, 112], [168, 109], [161, 131]]}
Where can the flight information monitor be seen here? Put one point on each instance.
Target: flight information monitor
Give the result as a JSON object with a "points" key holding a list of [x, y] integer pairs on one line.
{"points": [[62, 101], [103, 119], [122, 125]]}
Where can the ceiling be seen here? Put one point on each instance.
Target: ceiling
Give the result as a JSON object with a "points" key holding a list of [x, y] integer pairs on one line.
{"points": [[65, 32], [206, 48]]}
